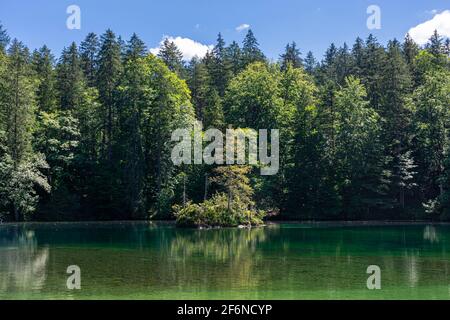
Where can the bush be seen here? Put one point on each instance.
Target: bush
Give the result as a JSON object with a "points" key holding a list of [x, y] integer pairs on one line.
{"points": [[216, 212]]}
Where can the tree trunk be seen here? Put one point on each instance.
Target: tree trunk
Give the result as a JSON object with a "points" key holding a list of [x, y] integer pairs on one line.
{"points": [[229, 198], [402, 197], [205, 196], [184, 192], [16, 214]]}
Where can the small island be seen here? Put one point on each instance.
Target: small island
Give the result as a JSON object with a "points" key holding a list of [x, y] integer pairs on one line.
{"points": [[231, 206]]}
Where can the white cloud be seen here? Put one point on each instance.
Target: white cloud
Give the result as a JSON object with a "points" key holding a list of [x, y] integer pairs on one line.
{"points": [[188, 47], [432, 12], [440, 22], [242, 27]]}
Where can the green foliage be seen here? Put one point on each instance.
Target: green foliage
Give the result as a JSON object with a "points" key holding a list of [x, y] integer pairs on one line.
{"points": [[18, 184], [231, 206], [4, 39], [252, 98], [364, 134], [214, 212], [291, 56], [172, 57]]}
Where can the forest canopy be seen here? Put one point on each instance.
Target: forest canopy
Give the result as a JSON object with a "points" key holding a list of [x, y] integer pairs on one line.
{"points": [[364, 133]]}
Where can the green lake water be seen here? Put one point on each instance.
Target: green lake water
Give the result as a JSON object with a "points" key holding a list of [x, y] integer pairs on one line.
{"points": [[281, 261]]}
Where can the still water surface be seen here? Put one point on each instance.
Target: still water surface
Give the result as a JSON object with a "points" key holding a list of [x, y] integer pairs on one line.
{"points": [[143, 260]]}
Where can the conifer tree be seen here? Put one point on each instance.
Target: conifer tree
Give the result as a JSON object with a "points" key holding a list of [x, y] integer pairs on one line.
{"points": [[291, 56], [250, 50], [70, 78], [172, 57], [310, 63], [135, 48], [89, 49], [4, 38], [234, 56], [43, 65], [395, 108], [109, 70]]}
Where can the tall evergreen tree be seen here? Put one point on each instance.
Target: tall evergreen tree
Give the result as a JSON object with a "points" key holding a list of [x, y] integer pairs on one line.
{"points": [[395, 108], [344, 64], [89, 49], [234, 56], [372, 70], [250, 49], [43, 65], [4, 38], [435, 44], [70, 78], [135, 48], [172, 57], [310, 63], [109, 70], [219, 67], [358, 57], [291, 56]]}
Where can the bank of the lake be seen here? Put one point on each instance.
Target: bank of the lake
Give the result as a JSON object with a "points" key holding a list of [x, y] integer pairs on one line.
{"points": [[156, 260]]}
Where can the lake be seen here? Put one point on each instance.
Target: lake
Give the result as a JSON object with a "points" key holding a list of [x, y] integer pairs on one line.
{"points": [[151, 260]]}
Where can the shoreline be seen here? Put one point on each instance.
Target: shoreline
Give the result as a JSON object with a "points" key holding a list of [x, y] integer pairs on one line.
{"points": [[329, 223]]}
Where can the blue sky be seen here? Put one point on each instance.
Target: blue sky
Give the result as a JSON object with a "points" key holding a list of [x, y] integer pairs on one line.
{"points": [[312, 24]]}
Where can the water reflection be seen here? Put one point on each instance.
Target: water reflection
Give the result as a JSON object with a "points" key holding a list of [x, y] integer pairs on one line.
{"points": [[282, 261], [23, 266], [430, 234]]}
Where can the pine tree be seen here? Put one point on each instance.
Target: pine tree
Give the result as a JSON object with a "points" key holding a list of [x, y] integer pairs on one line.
{"points": [[205, 97], [172, 57], [89, 49], [135, 48], [372, 70], [447, 47], [358, 57], [395, 108], [291, 56], [250, 50], [234, 56], [219, 66], [43, 65], [435, 45], [70, 80], [109, 70], [344, 64], [410, 49], [310, 63], [4, 38], [18, 105]]}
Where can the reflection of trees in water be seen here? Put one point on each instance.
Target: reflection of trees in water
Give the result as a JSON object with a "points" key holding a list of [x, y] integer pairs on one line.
{"points": [[430, 234], [219, 245], [213, 259], [23, 266]]}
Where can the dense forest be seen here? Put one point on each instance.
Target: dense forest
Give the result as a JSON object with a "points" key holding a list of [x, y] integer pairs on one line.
{"points": [[364, 133]]}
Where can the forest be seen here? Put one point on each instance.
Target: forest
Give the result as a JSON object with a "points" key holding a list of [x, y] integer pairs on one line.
{"points": [[364, 131]]}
